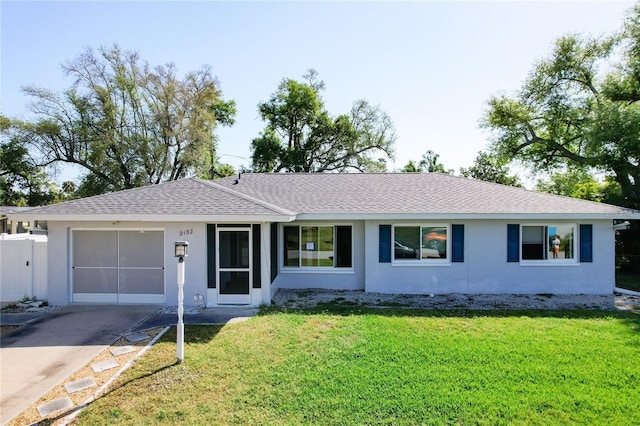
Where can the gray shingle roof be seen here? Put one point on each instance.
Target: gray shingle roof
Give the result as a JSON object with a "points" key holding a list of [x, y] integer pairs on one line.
{"points": [[191, 197], [407, 193], [280, 195]]}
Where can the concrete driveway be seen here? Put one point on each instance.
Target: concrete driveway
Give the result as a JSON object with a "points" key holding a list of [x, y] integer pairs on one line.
{"points": [[43, 353]]}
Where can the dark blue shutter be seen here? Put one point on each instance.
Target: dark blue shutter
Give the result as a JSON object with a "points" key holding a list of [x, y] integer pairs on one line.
{"points": [[513, 243], [457, 236], [274, 251], [343, 246], [586, 243], [384, 254], [257, 266], [211, 255]]}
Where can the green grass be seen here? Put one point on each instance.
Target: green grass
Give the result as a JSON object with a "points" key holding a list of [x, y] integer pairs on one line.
{"points": [[628, 280], [352, 366]]}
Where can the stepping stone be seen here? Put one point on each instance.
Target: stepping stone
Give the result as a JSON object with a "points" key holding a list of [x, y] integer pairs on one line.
{"points": [[138, 337], [121, 350], [79, 385], [54, 406], [104, 365]]}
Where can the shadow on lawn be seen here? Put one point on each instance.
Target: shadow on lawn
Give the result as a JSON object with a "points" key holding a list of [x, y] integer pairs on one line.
{"points": [[628, 317]]}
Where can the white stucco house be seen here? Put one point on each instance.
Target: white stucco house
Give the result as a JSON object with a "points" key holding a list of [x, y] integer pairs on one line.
{"points": [[252, 234]]}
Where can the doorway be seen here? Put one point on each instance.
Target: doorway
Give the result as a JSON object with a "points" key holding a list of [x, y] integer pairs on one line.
{"points": [[234, 265]]}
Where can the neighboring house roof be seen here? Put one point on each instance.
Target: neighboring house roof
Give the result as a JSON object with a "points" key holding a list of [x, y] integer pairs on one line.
{"points": [[13, 209], [281, 197]]}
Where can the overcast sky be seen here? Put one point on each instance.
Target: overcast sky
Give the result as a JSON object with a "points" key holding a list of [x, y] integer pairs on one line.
{"points": [[430, 65]]}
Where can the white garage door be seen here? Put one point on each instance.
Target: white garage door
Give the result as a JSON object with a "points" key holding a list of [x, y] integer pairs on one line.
{"points": [[118, 266]]}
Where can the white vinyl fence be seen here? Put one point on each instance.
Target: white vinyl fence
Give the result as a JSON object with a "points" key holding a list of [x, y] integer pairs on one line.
{"points": [[23, 267]]}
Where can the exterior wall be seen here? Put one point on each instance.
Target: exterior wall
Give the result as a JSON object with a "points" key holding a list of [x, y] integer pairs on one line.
{"points": [[335, 279], [60, 286], [485, 269]]}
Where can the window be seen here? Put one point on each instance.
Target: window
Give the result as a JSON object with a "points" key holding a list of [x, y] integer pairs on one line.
{"points": [[540, 242], [420, 242], [318, 246]]}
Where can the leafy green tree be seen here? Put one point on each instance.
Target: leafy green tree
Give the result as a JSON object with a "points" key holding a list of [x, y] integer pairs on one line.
{"points": [[578, 108], [301, 136], [125, 123], [22, 183], [578, 183], [429, 163], [491, 168]]}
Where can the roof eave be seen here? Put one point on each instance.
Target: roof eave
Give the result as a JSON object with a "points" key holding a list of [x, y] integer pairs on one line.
{"points": [[213, 218], [467, 216]]}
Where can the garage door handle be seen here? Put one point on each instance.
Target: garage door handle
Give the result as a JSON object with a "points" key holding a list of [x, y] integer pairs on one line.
{"points": [[27, 263]]}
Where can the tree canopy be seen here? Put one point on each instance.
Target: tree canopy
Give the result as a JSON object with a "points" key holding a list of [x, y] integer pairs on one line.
{"points": [[125, 123], [430, 163], [301, 136], [578, 108], [491, 168]]}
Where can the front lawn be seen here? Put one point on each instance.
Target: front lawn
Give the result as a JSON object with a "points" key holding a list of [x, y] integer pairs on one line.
{"points": [[355, 366]]}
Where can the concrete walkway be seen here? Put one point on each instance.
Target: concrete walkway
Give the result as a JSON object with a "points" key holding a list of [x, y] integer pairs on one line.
{"points": [[43, 353]]}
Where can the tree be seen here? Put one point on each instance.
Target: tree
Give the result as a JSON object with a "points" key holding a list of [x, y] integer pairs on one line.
{"points": [[125, 123], [578, 183], [22, 183], [301, 136], [490, 168], [430, 163], [576, 110]]}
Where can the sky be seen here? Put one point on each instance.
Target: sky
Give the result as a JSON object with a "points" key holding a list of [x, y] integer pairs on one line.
{"points": [[430, 65]]}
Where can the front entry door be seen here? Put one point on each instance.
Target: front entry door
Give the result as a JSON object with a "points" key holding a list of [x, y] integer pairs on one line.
{"points": [[234, 266]]}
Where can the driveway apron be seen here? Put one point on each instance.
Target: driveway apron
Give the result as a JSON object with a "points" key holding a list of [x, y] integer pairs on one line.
{"points": [[42, 354]]}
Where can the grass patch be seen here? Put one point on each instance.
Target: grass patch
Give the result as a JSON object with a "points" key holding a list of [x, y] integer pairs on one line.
{"points": [[354, 366], [628, 280]]}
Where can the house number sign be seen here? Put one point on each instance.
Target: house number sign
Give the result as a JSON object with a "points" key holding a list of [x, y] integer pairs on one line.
{"points": [[185, 232]]}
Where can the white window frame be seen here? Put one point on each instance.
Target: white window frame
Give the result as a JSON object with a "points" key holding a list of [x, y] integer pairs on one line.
{"points": [[443, 261], [305, 269], [551, 261]]}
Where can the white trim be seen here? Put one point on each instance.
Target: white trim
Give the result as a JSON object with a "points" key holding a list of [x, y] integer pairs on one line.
{"points": [[462, 216], [229, 218]]}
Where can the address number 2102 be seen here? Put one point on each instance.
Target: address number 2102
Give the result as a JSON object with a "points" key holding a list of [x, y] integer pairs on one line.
{"points": [[185, 232]]}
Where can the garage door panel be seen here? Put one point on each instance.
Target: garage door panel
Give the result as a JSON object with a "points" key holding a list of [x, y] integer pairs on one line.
{"points": [[123, 266], [95, 248], [141, 281], [142, 249], [95, 280]]}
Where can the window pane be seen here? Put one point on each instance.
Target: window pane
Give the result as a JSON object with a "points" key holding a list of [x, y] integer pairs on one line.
{"points": [[234, 282], [434, 242], [317, 246], [291, 246], [406, 242], [561, 242], [533, 245], [234, 249]]}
